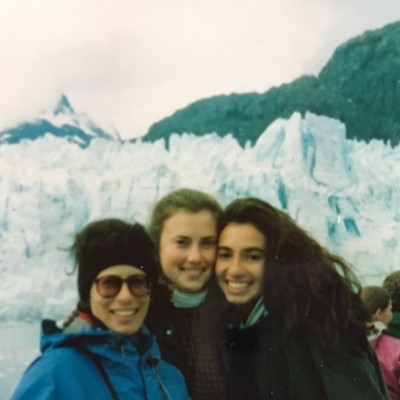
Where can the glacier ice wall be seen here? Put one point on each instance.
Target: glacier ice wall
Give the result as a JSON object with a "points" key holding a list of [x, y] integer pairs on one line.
{"points": [[345, 193]]}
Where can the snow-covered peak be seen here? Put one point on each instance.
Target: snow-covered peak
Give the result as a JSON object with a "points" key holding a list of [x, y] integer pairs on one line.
{"points": [[62, 121], [63, 106]]}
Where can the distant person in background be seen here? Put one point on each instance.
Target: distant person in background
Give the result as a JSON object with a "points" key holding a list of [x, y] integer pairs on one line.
{"points": [[297, 327], [183, 226], [106, 352], [392, 285], [387, 348]]}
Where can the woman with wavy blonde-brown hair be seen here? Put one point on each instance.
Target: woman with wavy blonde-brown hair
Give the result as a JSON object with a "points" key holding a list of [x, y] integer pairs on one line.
{"points": [[183, 226]]}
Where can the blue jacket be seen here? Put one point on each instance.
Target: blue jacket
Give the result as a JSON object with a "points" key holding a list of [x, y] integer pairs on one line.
{"points": [[66, 370]]}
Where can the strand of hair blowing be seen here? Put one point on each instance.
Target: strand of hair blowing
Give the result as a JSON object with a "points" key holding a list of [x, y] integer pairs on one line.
{"points": [[312, 291]]}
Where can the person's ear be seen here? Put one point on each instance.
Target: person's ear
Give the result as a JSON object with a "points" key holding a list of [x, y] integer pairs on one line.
{"points": [[377, 315]]}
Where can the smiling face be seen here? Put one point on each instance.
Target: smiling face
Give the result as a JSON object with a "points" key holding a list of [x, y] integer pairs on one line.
{"points": [[187, 249], [125, 312], [241, 262]]}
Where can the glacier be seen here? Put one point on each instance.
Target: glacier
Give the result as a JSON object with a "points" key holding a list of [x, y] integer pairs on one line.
{"points": [[345, 193]]}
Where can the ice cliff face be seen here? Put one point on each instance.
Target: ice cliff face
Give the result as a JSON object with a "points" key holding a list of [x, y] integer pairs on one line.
{"points": [[345, 193]]}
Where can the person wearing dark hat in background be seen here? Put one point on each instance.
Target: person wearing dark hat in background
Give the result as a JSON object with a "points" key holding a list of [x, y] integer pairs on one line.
{"points": [[392, 285], [106, 352]]}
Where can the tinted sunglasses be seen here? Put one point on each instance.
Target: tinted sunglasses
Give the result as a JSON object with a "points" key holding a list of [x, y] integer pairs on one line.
{"points": [[110, 285]]}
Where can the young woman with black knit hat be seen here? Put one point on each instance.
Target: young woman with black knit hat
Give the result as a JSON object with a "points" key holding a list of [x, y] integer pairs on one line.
{"points": [[106, 353]]}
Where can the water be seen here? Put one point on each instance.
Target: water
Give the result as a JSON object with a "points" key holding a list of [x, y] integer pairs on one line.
{"points": [[19, 345]]}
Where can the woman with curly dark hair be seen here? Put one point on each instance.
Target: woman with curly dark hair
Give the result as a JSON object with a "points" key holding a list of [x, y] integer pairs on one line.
{"points": [[297, 328]]}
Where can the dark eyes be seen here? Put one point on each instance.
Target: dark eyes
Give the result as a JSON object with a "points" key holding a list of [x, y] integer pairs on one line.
{"points": [[206, 243], [251, 256], [182, 242], [255, 256], [209, 243], [223, 255]]}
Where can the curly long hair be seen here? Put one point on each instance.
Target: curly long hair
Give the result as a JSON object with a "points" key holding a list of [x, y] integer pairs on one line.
{"points": [[306, 288]]}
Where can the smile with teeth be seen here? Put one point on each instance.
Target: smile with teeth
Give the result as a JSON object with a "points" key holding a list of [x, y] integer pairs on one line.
{"points": [[124, 313], [237, 284]]}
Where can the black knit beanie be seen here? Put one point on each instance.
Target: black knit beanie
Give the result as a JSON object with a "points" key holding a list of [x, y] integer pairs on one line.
{"points": [[105, 243]]}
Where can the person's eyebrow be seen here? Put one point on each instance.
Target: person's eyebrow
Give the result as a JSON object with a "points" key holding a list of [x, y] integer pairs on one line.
{"points": [[248, 249], [224, 248], [210, 237]]}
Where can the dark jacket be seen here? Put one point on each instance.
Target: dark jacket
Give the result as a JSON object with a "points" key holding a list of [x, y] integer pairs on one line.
{"points": [[66, 369], [260, 366], [394, 326], [189, 338]]}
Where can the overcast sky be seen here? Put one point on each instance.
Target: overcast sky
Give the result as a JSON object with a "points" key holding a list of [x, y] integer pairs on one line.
{"points": [[130, 63]]}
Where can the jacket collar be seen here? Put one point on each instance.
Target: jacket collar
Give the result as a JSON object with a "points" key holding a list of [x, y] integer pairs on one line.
{"points": [[259, 311], [375, 329], [96, 340]]}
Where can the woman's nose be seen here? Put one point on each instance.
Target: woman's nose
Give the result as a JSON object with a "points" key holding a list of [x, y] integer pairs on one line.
{"points": [[125, 293], [235, 267], [194, 254]]}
